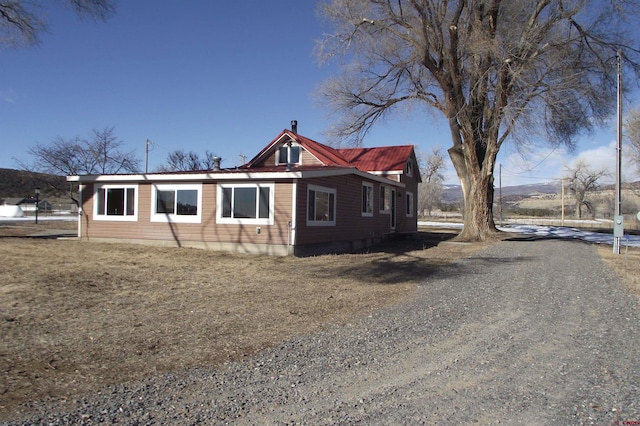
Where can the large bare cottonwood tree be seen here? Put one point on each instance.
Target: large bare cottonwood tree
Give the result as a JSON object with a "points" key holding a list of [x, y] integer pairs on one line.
{"points": [[495, 70], [21, 21], [632, 128]]}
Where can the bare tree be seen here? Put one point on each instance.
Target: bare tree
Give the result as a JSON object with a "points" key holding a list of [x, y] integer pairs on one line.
{"points": [[22, 21], [632, 128], [491, 68], [430, 189], [582, 181], [180, 160], [101, 153]]}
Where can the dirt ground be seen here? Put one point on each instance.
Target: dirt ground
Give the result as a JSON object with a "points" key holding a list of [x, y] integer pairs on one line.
{"points": [[76, 316], [626, 264]]}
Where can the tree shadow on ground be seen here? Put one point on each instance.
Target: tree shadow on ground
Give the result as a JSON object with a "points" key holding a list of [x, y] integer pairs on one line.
{"points": [[405, 243], [422, 256], [405, 259]]}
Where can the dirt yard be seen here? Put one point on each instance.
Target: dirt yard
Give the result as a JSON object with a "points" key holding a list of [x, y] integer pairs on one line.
{"points": [[626, 264], [76, 316]]}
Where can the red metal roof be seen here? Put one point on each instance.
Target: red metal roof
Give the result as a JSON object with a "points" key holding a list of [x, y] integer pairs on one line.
{"points": [[378, 159], [327, 155]]}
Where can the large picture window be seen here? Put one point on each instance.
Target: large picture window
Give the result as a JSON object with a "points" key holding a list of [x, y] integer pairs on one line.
{"points": [[367, 199], [321, 206], [246, 203], [115, 202], [176, 203]]}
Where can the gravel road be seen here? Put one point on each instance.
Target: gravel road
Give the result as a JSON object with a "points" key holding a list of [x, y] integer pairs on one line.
{"points": [[525, 332]]}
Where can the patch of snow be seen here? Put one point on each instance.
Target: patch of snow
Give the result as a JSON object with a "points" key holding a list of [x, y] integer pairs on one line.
{"points": [[554, 232], [66, 218], [11, 211]]}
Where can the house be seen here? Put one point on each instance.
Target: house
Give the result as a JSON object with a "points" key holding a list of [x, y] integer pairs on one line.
{"points": [[28, 204], [295, 197]]}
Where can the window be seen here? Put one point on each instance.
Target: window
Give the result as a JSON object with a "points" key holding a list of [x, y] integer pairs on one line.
{"points": [[367, 199], [321, 206], [409, 168], [385, 199], [410, 206], [246, 204], [176, 203], [285, 151], [115, 202]]}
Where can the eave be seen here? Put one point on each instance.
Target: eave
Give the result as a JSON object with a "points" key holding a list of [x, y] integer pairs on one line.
{"points": [[235, 175]]}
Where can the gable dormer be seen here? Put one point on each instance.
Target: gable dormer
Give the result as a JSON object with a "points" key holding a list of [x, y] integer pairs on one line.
{"points": [[296, 150]]}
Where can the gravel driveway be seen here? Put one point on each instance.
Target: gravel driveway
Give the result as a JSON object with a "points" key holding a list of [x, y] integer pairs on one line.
{"points": [[524, 332]]}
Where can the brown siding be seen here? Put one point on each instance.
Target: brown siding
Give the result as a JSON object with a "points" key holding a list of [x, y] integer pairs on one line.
{"points": [[408, 223], [350, 224], [308, 159], [351, 227], [206, 231]]}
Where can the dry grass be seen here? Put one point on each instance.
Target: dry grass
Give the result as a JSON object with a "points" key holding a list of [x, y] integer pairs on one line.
{"points": [[75, 316], [626, 264]]}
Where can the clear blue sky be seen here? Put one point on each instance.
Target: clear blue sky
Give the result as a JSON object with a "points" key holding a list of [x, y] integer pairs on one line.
{"points": [[226, 76]]}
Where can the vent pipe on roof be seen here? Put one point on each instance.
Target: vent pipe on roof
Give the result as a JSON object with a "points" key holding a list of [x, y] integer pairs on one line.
{"points": [[216, 163], [294, 126]]}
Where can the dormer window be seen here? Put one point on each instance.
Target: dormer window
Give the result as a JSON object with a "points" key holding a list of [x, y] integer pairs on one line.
{"points": [[288, 154]]}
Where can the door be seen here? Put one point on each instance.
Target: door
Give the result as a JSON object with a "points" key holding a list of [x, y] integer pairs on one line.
{"points": [[393, 209]]}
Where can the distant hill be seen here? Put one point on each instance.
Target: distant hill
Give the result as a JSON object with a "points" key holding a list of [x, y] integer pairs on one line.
{"points": [[19, 183], [453, 193]]}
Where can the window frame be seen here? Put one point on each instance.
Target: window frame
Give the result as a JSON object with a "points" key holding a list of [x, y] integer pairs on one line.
{"points": [[122, 218], [280, 162], [245, 221], [174, 217], [332, 192], [409, 168], [410, 204], [368, 199], [385, 197]]}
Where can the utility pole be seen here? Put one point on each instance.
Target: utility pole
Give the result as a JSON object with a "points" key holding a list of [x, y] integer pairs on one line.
{"points": [[146, 157], [618, 220], [562, 197], [500, 191]]}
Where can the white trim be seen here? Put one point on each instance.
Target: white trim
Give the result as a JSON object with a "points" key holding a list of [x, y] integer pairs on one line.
{"points": [[231, 176], [116, 218], [324, 189], [386, 172], [294, 215], [370, 201], [278, 160], [173, 217], [239, 221], [80, 212]]}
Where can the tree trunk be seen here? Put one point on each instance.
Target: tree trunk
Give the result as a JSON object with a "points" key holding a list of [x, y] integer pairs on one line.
{"points": [[477, 189]]}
